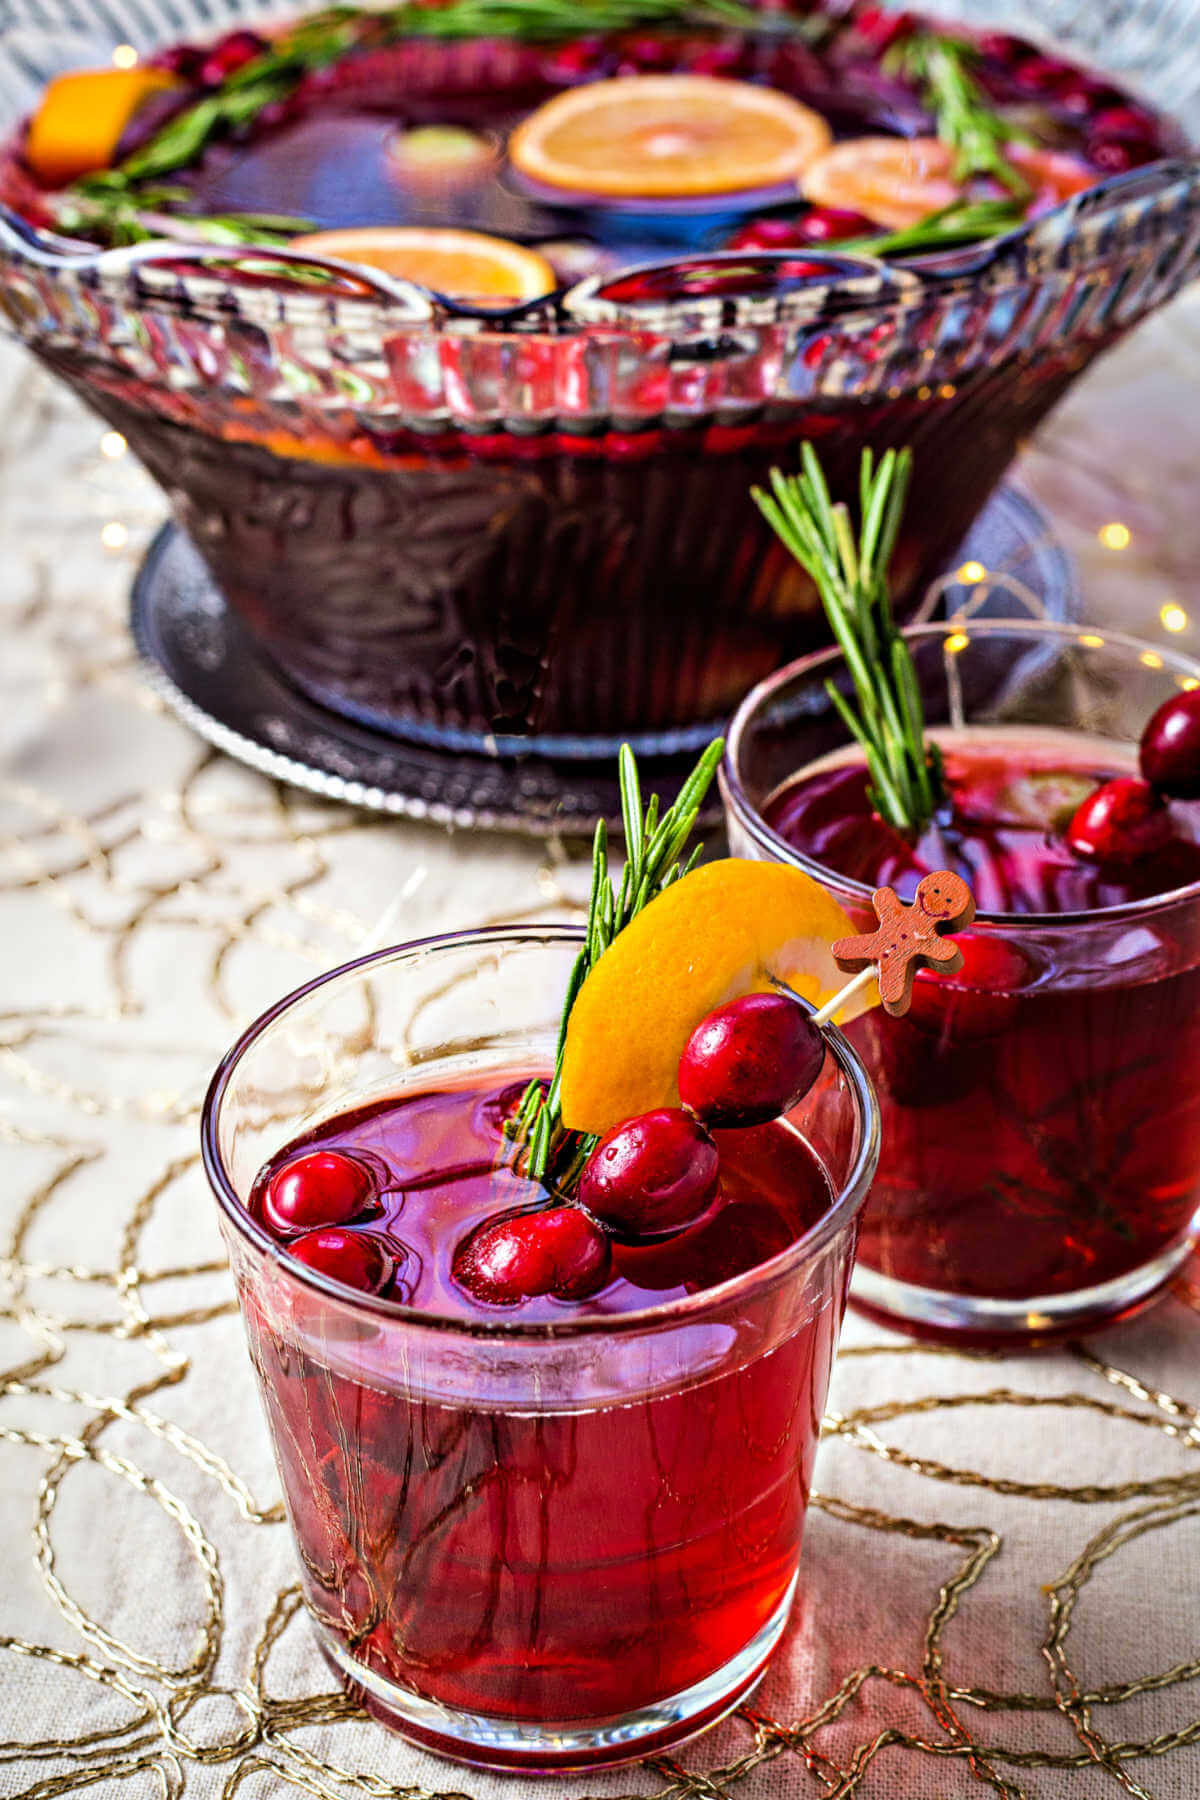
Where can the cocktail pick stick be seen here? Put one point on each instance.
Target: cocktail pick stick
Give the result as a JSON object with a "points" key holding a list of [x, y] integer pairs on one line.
{"points": [[908, 938], [825, 1013], [864, 978]]}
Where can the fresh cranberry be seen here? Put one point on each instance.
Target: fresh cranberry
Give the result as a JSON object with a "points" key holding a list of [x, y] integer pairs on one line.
{"points": [[881, 28], [358, 1259], [559, 1251], [653, 1174], [717, 59], [767, 234], [644, 53], [1129, 123], [1044, 75], [750, 1061], [1083, 98], [323, 1188], [831, 224], [1120, 823], [1112, 156], [821, 225], [1170, 749], [230, 54], [1002, 48], [979, 999], [573, 62], [184, 60]]}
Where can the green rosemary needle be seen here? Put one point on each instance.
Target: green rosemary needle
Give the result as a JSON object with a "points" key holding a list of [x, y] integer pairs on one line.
{"points": [[851, 577], [654, 850]]}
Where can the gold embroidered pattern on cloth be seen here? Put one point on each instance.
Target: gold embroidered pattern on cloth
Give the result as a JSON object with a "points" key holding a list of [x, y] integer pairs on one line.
{"points": [[979, 1518]]}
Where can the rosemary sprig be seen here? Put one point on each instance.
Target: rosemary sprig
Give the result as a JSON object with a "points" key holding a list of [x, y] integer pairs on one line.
{"points": [[654, 847], [851, 578], [114, 200], [963, 115], [141, 214], [963, 222]]}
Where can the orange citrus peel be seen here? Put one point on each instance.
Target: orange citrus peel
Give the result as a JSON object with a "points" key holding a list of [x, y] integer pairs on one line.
{"points": [[82, 118], [722, 931]]}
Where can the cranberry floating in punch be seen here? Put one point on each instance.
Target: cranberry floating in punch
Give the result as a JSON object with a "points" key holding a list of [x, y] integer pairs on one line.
{"points": [[547, 1466], [1041, 1104], [491, 494]]}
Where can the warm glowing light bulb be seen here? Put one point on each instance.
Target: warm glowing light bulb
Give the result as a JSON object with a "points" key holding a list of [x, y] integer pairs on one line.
{"points": [[114, 535], [1151, 659], [125, 57], [1173, 617], [972, 572], [1091, 640], [1114, 535], [1189, 683], [112, 445], [957, 641]]}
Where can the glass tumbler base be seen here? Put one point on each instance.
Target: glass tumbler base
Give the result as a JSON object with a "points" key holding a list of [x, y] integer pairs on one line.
{"points": [[487, 1741], [969, 1319]]}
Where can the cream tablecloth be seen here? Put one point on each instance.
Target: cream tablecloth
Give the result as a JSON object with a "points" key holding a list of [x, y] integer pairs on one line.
{"points": [[1000, 1580]]}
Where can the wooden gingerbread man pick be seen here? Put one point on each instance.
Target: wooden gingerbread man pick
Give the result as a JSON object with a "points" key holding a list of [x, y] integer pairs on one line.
{"points": [[910, 937]]}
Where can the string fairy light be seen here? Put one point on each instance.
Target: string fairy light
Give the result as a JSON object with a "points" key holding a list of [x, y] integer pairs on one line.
{"points": [[1173, 616], [1114, 535]]}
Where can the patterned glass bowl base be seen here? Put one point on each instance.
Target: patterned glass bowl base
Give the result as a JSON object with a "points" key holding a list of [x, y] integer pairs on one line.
{"points": [[201, 660]]}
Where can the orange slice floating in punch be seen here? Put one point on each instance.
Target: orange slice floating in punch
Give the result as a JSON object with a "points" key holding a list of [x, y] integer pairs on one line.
{"points": [[895, 181], [83, 117], [667, 136], [463, 265]]}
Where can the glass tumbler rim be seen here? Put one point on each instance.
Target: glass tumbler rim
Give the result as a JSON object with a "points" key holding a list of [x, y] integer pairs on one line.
{"points": [[847, 1202], [1083, 635]]}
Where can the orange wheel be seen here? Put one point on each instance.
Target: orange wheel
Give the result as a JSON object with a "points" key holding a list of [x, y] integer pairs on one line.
{"points": [[667, 136], [82, 118], [895, 181], [464, 265]]}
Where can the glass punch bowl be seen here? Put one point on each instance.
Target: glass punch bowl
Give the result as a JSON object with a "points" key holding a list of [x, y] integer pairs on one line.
{"points": [[534, 532]]}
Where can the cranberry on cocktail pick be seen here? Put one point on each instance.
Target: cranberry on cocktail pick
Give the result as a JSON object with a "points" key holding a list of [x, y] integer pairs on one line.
{"points": [[750, 1061], [1121, 822], [324, 1187], [653, 1174], [358, 1259], [558, 1250], [1169, 754]]}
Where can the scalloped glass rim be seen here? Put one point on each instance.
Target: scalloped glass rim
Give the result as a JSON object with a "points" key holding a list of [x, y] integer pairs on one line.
{"points": [[1119, 210]]}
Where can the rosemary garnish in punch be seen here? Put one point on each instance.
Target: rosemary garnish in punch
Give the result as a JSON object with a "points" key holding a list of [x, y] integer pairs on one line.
{"points": [[654, 849], [964, 117], [962, 222], [114, 201], [851, 578]]}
